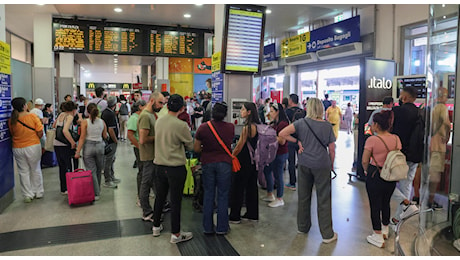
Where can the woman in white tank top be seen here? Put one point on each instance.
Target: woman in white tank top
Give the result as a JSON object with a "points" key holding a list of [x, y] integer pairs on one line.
{"points": [[93, 134]]}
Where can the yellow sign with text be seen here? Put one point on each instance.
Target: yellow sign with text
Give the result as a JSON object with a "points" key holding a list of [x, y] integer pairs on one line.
{"points": [[5, 58], [91, 85], [216, 58], [295, 45]]}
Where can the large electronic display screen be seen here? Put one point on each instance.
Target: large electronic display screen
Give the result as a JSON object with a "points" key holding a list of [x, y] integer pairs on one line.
{"points": [[416, 81], [242, 42], [137, 39]]}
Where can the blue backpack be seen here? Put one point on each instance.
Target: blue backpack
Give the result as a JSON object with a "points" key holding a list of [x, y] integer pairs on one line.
{"points": [[266, 147]]}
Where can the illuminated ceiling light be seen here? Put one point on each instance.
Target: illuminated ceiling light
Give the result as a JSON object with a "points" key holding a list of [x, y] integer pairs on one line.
{"points": [[444, 17], [118, 10], [40, 4], [115, 61], [115, 55], [443, 5], [338, 31], [268, 11], [198, 4], [187, 15]]}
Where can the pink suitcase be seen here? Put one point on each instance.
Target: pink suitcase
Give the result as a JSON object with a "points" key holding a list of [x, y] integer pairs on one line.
{"points": [[80, 187]]}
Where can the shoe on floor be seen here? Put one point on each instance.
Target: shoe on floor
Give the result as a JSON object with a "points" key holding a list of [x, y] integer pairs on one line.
{"points": [[38, 196], [234, 221], [156, 231], [456, 244], [385, 232], [332, 239], [376, 240], [434, 206], [183, 236], [64, 193], [290, 186], [276, 203], [149, 217], [116, 181], [249, 219], [408, 211], [96, 197], [110, 185], [268, 198], [28, 200]]}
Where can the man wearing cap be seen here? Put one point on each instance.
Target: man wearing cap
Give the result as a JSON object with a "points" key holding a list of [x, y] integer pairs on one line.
{"points": [[39, 104], [110, 119], [387, 105], [133, 136]]}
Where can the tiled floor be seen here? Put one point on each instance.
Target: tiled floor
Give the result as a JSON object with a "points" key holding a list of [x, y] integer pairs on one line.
{"points": [[275, 234]]}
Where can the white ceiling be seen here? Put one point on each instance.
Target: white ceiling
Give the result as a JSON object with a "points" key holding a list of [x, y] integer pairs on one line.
{"points": [[284, 19]]}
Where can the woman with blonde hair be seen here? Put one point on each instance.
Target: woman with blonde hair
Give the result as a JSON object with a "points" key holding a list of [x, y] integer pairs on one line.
{"points": [[26, 130], [316, 142], [93, 129]]}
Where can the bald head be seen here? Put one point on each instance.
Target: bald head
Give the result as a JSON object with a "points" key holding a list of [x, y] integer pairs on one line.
{"points": [[156, 101]]}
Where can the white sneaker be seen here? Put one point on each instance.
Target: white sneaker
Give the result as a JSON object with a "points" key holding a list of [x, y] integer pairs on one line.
{"points": [[276, 203], [183, 236], [330, 240], [456, 244], [376, 240], [385, 232], [157, 230], [268, 198], [408, 211]]}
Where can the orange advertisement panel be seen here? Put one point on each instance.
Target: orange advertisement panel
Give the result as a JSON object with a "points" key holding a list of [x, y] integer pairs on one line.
{"points": [[202, 66], [180, 65], [181, 84]]}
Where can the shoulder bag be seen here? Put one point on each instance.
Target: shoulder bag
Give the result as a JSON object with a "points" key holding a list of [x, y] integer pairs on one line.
{"points": [[236, 166], [61, 137], [323, 145]]}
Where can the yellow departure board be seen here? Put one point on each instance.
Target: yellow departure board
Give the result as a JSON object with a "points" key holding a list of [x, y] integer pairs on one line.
{"points": [[99, 37]]}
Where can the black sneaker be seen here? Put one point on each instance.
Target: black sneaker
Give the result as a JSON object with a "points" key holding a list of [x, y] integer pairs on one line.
{"points": [[434, 206]]}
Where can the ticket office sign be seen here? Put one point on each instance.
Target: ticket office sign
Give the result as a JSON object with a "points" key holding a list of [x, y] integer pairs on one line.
{"points": [[109, 38]]}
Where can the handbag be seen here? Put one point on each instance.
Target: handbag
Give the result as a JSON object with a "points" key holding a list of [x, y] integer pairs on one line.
{"points": [[236, 166], [61, 137], [49, 143]]}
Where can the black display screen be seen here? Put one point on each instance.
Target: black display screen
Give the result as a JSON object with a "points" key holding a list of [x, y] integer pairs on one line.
{"points": [[242, 43], [120, 38], [417, 82]]}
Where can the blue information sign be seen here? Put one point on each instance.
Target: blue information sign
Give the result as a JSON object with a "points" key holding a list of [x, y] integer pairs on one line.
{"points": [[336, 34], [217, 87], [6, 154], [269, 52]]}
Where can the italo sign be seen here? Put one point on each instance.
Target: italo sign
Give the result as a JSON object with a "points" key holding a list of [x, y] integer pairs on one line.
{"points": [[381, 83]]}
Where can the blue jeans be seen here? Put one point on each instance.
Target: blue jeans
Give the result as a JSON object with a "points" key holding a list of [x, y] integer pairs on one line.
{"points": [[277, 167], [216, 175]]}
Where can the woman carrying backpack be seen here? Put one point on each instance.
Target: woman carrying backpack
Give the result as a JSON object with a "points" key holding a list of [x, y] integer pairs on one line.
{"points": [[244, 182], [316, 142], [379, 191], [279, 121]]}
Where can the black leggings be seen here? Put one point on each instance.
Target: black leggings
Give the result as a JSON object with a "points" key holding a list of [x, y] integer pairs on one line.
{"points": [[379, 192], [64, 155]]}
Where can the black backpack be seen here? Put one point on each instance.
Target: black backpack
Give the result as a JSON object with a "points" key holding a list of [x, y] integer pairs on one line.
{"points": [[415, 149], [124, 109], [298, 114]]}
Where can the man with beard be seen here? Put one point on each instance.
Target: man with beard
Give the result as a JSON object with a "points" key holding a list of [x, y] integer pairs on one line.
{"points": [[146, 128]]}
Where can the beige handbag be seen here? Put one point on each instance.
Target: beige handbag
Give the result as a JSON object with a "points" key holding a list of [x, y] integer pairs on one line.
{"points": [[49, 143]]}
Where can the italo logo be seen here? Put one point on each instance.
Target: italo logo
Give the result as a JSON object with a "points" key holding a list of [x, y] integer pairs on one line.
{"points": [[380, 83]]}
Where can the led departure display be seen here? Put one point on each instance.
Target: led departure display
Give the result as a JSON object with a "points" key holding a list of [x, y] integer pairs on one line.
{"points": [[109, 38]]}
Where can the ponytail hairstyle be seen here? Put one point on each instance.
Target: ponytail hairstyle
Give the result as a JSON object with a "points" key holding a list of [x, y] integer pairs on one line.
{"points": [[253, 118], [18, 106], [93, 111]]}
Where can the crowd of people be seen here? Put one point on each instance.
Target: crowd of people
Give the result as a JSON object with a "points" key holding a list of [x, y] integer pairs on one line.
{"points": [[306, 141]]}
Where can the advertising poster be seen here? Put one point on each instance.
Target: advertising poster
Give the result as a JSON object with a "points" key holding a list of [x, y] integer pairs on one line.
{"points": [[376, 83], [199, 82], [181, 83], [6, 154], [202, 66], [180, 65]]}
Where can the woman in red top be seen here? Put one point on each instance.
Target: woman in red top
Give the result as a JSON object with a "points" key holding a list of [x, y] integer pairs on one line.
{"points": [[379, 191], [279, 121]]}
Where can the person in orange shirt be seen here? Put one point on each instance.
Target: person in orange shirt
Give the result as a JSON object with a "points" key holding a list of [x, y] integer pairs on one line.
{"points": [[26, 130], [334, 116]]}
